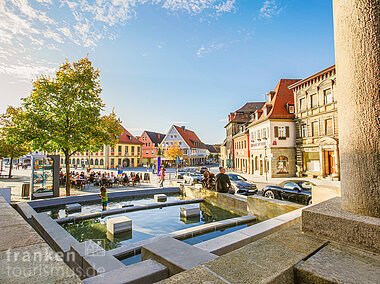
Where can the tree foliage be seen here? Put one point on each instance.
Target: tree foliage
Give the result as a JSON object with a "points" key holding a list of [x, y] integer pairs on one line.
{"points": [[172, 152], [12, 143], [64, 113]]}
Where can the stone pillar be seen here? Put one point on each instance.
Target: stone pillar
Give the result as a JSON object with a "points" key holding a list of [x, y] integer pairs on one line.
{"points": [[321, 162], [357, 53]]}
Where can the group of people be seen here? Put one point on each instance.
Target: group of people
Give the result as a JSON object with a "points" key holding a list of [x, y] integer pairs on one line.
{"points": [[101, 179]]}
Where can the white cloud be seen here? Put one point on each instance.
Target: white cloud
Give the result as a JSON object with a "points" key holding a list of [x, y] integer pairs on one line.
{"points": [[269, 9], [204, 50], [32, 26], [226, 7]]}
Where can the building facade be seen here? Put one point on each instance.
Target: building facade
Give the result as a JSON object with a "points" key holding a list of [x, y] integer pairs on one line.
{"points": [[272, 134], [317, 143], [150, 143], [235, 120], [242, 150], [194, 151], [125, 153]]}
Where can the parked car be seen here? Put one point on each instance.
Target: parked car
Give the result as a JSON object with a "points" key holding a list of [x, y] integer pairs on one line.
{"points": [[192, 178], [298, 191], [180, 174], [241, 185]]}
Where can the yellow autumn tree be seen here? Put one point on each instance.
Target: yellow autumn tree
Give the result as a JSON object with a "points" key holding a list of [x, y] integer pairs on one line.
{"points": [[172, 152]]}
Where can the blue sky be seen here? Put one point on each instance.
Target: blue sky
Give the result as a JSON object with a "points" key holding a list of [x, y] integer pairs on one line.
{"points": [[167, 61]]}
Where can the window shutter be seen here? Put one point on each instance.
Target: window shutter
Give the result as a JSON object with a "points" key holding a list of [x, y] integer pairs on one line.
{"points": [[276, 131], [287, 131]]}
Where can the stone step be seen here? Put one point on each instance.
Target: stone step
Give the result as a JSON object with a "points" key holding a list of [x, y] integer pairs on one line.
{"points": [[147, 272], [177, 256], [339, 264]]}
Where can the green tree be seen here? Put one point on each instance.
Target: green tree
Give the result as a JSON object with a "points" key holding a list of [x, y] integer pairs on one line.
{"points": [[63, 114], [12, 143]]}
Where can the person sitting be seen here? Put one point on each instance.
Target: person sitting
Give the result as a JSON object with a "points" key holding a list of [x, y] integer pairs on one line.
{"points": [[125, 179], [136, 179]]}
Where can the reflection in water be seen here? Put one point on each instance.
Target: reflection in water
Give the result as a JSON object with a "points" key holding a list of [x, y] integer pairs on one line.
{"points": [[145, 224]]}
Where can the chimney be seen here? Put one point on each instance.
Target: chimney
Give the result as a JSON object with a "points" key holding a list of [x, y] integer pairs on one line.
{"points": [[183, 127], [158, 135]]}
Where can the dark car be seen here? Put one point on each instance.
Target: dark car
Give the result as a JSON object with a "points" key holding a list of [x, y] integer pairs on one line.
{"points": [[241, 185], [180, 174], [298, 191]]}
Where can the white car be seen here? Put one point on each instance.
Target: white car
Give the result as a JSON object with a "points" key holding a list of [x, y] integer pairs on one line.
{"points": [[192, 178]]}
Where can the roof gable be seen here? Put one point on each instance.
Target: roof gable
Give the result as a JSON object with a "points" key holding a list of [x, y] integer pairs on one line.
{"points": [[191, 139], [127, 137]]}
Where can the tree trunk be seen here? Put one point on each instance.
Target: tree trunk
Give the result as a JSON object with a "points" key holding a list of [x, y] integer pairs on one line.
{"points": [[10, 168], [67, 163]]}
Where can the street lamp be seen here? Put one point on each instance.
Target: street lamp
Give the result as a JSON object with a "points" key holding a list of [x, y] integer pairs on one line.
{"points": [[265, 159]]}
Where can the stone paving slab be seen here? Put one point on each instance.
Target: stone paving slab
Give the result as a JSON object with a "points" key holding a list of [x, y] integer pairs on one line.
{"points": [[34, 264], [340, 264], [199, 274], [146, 272], [177, 256], [18, 236], [268, 260]]}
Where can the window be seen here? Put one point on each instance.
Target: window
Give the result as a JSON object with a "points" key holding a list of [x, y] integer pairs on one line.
{"points": [[101, 162], [91, 162], [314, 101], [126, 150], [304, 130], [119, 149], [282, 132], [327, 97], [179, 143], [112, 162], [96, 162], [291, 109], [314, 129], [302, 104], [290, 185], [264, 133], [282, 165], [133, 150], [328, 127]]}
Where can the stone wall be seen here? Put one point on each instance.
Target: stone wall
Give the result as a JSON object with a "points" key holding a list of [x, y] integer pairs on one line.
{"points": [[259, 206], [264, 208], [235, 204]]}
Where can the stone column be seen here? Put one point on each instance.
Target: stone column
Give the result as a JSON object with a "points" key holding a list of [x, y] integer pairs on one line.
{"points": [[357, 53]]}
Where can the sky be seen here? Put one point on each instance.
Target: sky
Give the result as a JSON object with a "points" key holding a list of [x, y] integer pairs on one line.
{"points": [[164, 62]]}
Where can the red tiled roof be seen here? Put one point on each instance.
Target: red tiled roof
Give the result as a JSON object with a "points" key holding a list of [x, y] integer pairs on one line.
{"points": [[127, 137], [190, 137], [281, 97]]}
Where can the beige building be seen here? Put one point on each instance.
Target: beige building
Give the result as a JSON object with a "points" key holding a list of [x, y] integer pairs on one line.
{"points": [[317, 143], [126, 153]]}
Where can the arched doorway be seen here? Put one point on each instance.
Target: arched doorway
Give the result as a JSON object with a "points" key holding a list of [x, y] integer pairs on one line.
{"points": [[126, 163]]}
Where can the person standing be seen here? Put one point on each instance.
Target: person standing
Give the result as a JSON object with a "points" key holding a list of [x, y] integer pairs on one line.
{"points": [[161, 177], [222, 182]]}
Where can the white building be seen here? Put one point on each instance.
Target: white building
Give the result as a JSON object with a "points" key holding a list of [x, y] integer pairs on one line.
{"points": [[272, 134], [193, 149]]}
